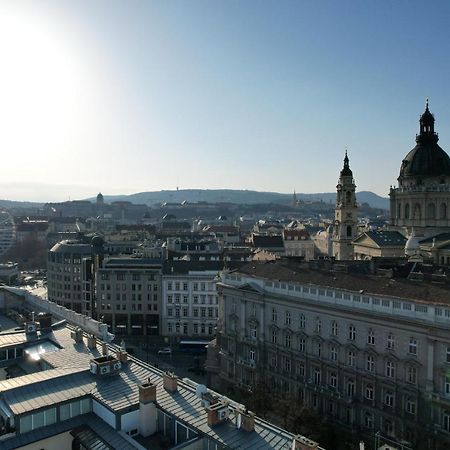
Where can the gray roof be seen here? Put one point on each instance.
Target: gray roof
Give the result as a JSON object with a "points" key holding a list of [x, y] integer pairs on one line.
{"points": [[101, 429], [71, 378]]}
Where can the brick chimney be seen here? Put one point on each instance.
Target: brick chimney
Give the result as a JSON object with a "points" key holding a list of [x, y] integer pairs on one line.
{"points": [[303, 443], [104, 349], [217, 413], [122, 356], [247, 421], [92, 342], [170, 382], [147, 409]]}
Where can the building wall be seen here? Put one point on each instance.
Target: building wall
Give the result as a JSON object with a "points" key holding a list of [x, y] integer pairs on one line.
{"points": [[64, 275], [129, 299], [189, 304], [340, 354]]}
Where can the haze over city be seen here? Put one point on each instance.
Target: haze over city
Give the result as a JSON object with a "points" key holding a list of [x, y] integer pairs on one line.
{"points": [[121, 98]]}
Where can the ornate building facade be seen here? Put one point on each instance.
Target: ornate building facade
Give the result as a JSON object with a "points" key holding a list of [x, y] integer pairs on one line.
{"points": [[346, 221], [422, 198]]}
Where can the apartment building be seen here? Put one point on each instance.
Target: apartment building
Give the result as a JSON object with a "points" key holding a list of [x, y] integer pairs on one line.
{"points": [[189, 298], [370, 353], [128, 294]]}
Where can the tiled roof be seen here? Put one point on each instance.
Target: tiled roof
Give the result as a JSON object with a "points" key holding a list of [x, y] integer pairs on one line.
{"points": [[385, 238], [283, 270]]}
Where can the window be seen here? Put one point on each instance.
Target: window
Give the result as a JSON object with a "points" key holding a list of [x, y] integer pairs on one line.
{"points": [[390, 341], [253, 332], [369, 393], [370, 363], [411, 405], [317, 377], [390, 369], [351, 358], [288, 318], [334, 328], [412, 347], [350, 388], [447, 384], [274, 336], [301, 345], [388, 427], [333, 380], [333, 353], [302, 321], [371, 337], [351, 333], [448, 355], [177, 285], [368, 420], [389, 398], [287, 340], [185, 286], [169, 312], [318, 325], [274, 315], [251, 355], [446, 420], [411, 374]]}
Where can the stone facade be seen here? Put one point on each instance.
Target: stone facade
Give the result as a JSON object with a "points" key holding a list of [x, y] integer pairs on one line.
{"points": [[368, 362]]}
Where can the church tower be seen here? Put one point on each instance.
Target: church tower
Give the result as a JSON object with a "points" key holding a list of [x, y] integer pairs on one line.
{"points": [[345, 217]]}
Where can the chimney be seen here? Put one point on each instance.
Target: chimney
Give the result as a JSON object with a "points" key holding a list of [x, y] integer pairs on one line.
{"points": [[77, 335], [147, 409], [147, 392], [104, 349], [122, 356], [248, 421], [217, 413], [170, 382], [303, 443], [92, 342]]}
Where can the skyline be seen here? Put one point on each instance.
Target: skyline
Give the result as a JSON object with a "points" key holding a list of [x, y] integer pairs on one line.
{"points": [[265, 96]]}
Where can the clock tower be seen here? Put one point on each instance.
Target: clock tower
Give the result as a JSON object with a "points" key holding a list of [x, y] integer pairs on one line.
{"points": [[345, 216]]}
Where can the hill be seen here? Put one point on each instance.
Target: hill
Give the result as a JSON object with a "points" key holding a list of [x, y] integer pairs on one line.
{"points": [[239, 197]]}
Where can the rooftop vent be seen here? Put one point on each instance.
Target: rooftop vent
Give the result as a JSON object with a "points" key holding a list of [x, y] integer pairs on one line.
{"points": [[105, 365]]}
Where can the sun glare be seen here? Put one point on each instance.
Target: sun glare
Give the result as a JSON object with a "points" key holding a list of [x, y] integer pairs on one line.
{"points": [[39, 80]]}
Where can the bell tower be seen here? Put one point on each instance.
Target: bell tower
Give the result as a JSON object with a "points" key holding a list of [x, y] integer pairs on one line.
{"points": [[345, 216]]}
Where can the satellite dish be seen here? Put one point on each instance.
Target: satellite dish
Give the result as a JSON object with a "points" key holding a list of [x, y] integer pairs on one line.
{"points": [[200, 390]]}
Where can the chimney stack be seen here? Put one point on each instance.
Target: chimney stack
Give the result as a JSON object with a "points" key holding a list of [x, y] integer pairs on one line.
{"points": [[92, 342], [147, 409], [122, 356], [217, 413], [247, 421], [104, 349], [170, 382]]}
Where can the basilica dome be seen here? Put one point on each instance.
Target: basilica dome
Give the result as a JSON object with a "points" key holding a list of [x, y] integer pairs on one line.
{"points": [[427, 158]]}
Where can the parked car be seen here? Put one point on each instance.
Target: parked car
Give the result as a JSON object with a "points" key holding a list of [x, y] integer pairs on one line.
{"points": [[165, 351]]}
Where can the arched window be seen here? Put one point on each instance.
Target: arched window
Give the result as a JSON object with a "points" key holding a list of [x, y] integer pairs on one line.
{"points": [[399, 211], [443, 211], [349, 231], [407, 211], [348, 197], [417, 213], [431, 211]]}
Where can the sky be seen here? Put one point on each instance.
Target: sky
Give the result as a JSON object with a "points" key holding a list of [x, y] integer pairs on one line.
{"points": [[132, 96]]}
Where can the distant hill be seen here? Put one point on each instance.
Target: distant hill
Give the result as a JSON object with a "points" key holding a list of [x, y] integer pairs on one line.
{"points": [[239, 197]]}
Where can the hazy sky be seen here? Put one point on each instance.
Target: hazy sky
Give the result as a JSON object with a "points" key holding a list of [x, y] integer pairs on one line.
{"points": [[129, 96]]}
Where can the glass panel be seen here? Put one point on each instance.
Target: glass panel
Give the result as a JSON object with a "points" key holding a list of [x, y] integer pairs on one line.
{"points": [[64, 411], [38, 420], [25, 424], [50, 416], [76, 408]]}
